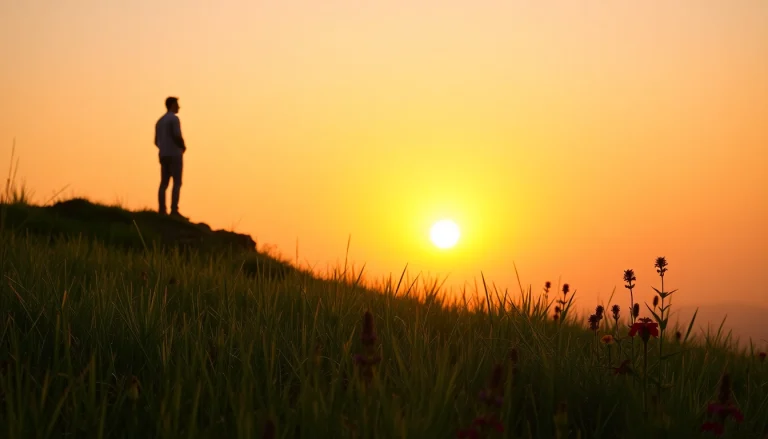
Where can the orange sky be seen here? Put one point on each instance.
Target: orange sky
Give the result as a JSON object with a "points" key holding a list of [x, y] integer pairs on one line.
{"points": [[574, 138]]}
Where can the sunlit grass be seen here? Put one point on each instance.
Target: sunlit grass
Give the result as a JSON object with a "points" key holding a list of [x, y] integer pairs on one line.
{"points": [[137, 340], [104, 343]]}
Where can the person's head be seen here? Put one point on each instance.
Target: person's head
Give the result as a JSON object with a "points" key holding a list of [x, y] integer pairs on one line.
{"points": [[172, 104]]}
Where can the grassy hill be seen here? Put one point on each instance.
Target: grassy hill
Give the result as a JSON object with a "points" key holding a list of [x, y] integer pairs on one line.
{"points": [[128, 324], [118, 228]]}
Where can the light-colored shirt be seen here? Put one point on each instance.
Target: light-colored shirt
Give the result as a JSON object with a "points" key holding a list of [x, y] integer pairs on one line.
{"points": [[168, 137]]}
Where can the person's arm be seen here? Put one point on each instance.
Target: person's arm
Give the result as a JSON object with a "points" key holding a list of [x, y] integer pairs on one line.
{"points": [[176, 133]]}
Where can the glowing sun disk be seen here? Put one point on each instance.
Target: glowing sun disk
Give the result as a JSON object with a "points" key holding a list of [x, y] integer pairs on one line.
{"points": [[445, 234]]}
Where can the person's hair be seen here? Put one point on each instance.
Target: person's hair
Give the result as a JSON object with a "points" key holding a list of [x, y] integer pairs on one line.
{"points": [[170, 101]]}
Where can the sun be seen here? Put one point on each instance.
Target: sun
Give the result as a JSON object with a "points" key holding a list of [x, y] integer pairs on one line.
{"points": [[445, 234]]}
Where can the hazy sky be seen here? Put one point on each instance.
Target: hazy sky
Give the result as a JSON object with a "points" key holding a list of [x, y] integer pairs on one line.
{"points": [[575, 138]]}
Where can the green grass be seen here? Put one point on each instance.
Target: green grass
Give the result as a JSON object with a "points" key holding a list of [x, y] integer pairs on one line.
{"points": [[126, 230], [217, 350]]}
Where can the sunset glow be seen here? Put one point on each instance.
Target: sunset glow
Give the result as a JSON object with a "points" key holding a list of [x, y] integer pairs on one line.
{"points": [[572, 139]]}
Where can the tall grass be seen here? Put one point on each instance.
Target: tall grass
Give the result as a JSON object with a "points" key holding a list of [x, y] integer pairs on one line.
{"points": [[96, 342], [101, 342], [13, 192]]}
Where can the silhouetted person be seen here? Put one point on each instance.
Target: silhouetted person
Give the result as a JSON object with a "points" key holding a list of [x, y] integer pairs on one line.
{"points": [[171, 146]]}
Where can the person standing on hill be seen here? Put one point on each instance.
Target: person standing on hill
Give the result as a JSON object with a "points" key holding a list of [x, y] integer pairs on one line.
{"points": [[171, 146]]}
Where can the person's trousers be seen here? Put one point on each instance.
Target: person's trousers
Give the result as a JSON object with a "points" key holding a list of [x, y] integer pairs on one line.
{"points": [[171, 167]]}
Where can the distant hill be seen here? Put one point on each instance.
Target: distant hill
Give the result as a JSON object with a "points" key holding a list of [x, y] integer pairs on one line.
{"points": [[745, 321], [135, 230]]}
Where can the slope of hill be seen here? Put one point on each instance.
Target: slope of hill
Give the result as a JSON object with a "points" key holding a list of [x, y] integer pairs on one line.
{"points": [[120, 228], [745, 322], [127, 324]]}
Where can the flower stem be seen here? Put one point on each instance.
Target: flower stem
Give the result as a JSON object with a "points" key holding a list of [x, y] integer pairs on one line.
{"points": [[645, 378], [661, 336]]}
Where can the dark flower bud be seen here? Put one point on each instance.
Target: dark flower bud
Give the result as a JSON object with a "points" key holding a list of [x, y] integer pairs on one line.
{"points": [[616, 310], [594, 322], [636, 310], [629, 277]]}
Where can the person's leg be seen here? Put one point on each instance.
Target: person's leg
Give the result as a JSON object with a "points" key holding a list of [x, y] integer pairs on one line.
{"points": [[177, 169], [165, 178]]}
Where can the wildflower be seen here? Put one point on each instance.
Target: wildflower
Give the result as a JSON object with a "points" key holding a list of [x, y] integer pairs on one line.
{"points": [[636, 310], [678, 336], [616, 310], [655, 301], [492, 397], [369, 357], [646, 328], [629, 277], [594, 322], [661, 265], [494, 393], [762, 356], [547, 286], [720, 410], [563, 301], [368, 336], [599, 311], [607, 341]]}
